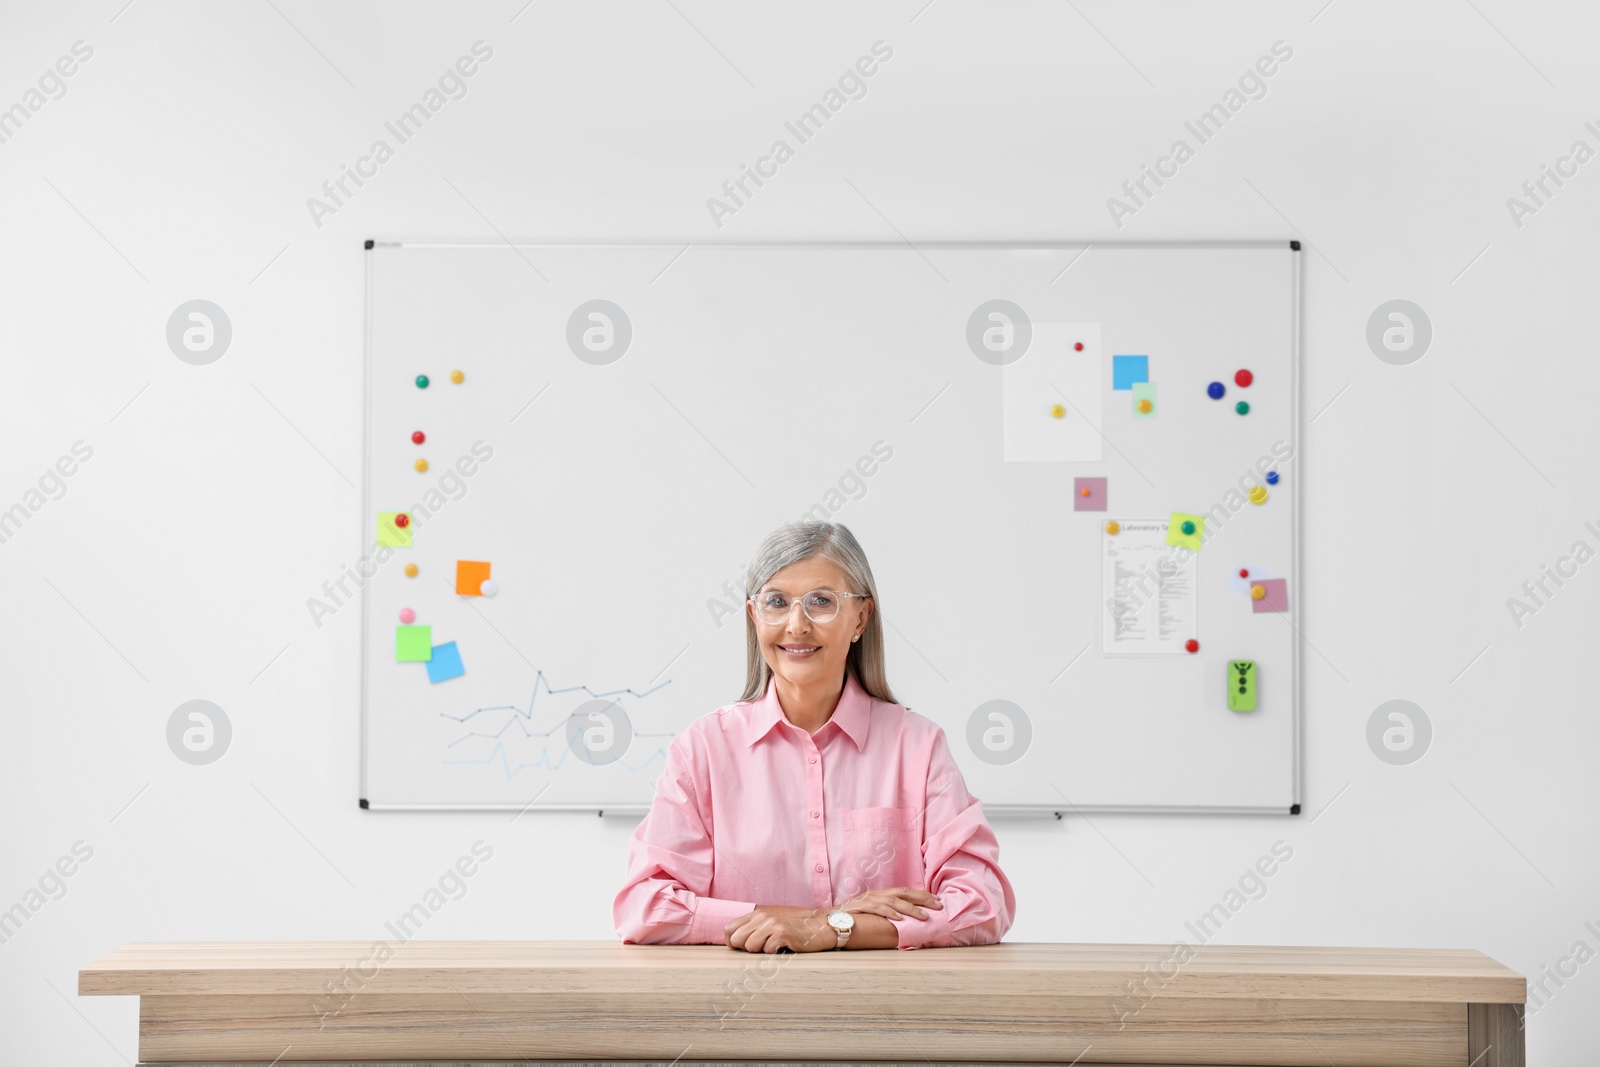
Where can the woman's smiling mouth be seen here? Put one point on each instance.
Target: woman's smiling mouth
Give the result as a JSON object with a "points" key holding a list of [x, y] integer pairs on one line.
{"points": [[799, 651]]}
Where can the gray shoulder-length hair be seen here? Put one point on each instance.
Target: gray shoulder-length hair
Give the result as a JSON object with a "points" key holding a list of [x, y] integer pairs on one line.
{"points": [[834, 542]]}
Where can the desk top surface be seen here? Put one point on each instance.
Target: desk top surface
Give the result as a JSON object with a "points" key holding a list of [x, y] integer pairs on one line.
{"points": [[610, 967]]}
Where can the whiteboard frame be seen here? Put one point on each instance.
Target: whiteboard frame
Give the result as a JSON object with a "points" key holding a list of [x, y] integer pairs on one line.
{"points": [[1296, 319]]}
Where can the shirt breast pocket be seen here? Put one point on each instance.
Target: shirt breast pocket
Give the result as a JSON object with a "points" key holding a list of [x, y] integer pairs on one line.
{"points": [[884, 848]]}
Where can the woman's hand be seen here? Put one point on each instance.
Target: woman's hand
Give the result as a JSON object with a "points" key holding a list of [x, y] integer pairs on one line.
{"points": [[892, 903], [771, 927], [775, 926]]}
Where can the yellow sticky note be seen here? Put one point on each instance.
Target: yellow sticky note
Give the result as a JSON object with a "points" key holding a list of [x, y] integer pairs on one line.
{"points": [[470, 576], [1186, 531], [390, 534]]}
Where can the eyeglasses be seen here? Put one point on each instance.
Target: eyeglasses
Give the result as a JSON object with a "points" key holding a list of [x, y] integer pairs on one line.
{"points": [[820, 605]]}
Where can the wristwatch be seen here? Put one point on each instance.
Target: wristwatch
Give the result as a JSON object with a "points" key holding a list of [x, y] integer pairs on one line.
{"points": [[842, 922]]}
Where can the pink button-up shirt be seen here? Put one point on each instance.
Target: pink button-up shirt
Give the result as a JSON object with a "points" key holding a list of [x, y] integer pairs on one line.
{"points": [[750, 809]]}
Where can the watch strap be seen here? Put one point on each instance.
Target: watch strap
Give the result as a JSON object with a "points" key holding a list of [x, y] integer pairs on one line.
{"points": [[842, 935]]}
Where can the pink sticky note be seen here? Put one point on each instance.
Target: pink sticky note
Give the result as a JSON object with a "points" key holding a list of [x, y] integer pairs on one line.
{"points": [[1277, 598], [1088, 494]]}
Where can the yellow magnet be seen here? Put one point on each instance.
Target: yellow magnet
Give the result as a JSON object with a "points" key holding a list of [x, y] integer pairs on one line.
{"points": [[1258, 494], [1258, 591], [421, 465], [1112, 528], [457, 377], [1057, 411]]}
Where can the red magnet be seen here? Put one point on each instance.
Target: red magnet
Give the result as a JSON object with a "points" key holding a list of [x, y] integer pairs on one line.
{"points": [[1191, 645], [1243, 573], [417, 438], [1243, 379], [1078, 347], [402, 520]]}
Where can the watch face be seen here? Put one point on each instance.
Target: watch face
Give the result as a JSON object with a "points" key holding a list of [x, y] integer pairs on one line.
{"points": [[841, 920]]}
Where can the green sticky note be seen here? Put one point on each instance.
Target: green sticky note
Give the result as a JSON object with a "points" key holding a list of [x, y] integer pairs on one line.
{"points": [[1144, 391], [391, 535], [1190, 540], [413, 644], [1241, 685]]}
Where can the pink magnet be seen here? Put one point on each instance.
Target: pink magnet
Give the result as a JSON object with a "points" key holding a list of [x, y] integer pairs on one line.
{"points": [[1088, 494], [407, 616]]}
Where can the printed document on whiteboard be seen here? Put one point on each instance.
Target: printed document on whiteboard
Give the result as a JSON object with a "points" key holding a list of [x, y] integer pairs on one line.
{"points": [[1148, 590]]}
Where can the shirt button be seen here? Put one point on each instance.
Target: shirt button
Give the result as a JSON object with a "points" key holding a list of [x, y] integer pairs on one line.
{"points": [[819, 867], [813, 759], [815, 815]]}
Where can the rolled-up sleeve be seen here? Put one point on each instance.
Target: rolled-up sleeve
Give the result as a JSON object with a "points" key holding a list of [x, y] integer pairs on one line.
{"points": [[962, 857], [666, 898]]}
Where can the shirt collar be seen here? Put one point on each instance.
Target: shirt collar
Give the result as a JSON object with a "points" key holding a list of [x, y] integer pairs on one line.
{"points": [[853, 713]]}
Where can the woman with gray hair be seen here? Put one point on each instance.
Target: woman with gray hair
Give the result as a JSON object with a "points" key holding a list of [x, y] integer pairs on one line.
{"points": [[816, 812]]}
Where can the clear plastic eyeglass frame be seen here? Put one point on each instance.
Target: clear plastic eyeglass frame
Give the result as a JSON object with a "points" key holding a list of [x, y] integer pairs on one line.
{"points": [[774, 618]]}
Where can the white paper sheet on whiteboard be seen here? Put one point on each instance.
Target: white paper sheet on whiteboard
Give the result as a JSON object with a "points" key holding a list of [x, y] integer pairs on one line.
{"points": [[1148, 590], [1054, 371]]}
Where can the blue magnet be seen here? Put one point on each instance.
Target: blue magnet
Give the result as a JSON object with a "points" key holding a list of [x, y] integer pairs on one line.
{"points": [[1272, 477], [1215, 390]]}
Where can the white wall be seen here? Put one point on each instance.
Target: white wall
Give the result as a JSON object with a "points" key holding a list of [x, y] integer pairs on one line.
{"points": [[178, 165]]}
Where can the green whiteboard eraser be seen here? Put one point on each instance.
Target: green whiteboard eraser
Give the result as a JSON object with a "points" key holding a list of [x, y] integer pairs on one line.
{"points": [[1242, 685]]}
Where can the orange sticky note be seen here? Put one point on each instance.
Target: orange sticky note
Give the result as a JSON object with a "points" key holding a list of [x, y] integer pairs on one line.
{"points": [[470, 576]]}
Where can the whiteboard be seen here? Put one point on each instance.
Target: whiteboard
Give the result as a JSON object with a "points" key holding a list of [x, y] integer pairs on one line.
{"points": [[633, 420]]}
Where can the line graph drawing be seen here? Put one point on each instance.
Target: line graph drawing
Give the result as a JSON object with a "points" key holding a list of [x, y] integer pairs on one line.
{"points": [[513, 769], [590, 729], [540, 678]]}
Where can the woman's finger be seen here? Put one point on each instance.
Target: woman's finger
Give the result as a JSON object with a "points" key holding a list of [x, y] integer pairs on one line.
{"points": [[890, 903], [905, 906], [919, 896], [868, 907], [909, 902]]}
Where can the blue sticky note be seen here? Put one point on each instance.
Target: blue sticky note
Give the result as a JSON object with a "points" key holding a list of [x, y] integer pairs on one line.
{"points": [[1126, 371], [446, 663]]}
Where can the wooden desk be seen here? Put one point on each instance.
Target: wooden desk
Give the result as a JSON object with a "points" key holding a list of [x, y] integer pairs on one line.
{"points": [[605, 1001]]}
